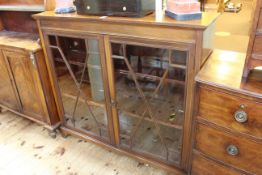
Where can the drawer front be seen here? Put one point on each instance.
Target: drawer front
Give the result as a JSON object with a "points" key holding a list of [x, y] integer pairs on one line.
{"points": [[234, 151], [225, 110], [205, 166]]}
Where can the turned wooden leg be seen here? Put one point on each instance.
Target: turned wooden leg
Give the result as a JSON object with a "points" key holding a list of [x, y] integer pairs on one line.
{"points": [[52, 133]]}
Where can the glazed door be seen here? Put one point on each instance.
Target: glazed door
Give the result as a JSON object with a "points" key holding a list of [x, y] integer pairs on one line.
{"points": [[24, 73], [149, 95], [78, 70], [7, 93]]}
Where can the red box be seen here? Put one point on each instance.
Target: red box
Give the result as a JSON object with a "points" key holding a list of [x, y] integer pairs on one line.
{"points": [[183, 6]]}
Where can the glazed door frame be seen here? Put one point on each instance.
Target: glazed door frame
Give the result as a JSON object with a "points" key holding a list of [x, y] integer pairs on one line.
{"points": [[109, 86], [189, 87], [57, 93]]}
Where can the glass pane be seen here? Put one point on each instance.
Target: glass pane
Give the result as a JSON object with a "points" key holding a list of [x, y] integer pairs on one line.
{"points": [[150, 86], [78, 70]]}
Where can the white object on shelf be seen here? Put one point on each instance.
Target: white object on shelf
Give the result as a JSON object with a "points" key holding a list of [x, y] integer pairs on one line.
{"points": [[159, 10]]}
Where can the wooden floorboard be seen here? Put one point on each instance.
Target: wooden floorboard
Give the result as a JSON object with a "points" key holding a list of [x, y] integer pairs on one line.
{"points": [[26, 149]]}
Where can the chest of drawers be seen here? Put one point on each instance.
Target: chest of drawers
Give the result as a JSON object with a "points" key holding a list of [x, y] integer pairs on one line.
{"points": [[228, 128]]}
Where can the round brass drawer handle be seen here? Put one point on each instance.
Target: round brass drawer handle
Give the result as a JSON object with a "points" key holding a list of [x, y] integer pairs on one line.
{"points": [[241, 116], [232, 150]]}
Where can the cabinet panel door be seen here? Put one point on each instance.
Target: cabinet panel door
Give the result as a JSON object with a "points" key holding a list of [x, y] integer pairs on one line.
{"points": [[149, 84], [78, 72], [24, 74], [7, 95]]}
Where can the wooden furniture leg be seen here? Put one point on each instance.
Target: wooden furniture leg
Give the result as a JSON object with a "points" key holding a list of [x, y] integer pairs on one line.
{"points": [[52, 133], [63, 133]]}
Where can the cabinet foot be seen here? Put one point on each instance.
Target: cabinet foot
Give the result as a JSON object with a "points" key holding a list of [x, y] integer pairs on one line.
{"points": [[52, 134], [63, 133]]}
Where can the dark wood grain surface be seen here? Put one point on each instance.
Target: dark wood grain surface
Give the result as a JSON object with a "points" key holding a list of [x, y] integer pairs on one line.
{"points": [[219, 108], [205, 166], [214, 143], [18, 21]]}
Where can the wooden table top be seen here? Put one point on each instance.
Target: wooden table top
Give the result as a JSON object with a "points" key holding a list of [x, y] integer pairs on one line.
{"points": [[224, 70], [207, 19], [24, 41]]}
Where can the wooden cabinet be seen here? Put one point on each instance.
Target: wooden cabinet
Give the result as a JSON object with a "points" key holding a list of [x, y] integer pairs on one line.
{"points": [[24, 81], [7, 93], [127, 83], [149, 91], [228, 121]]}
